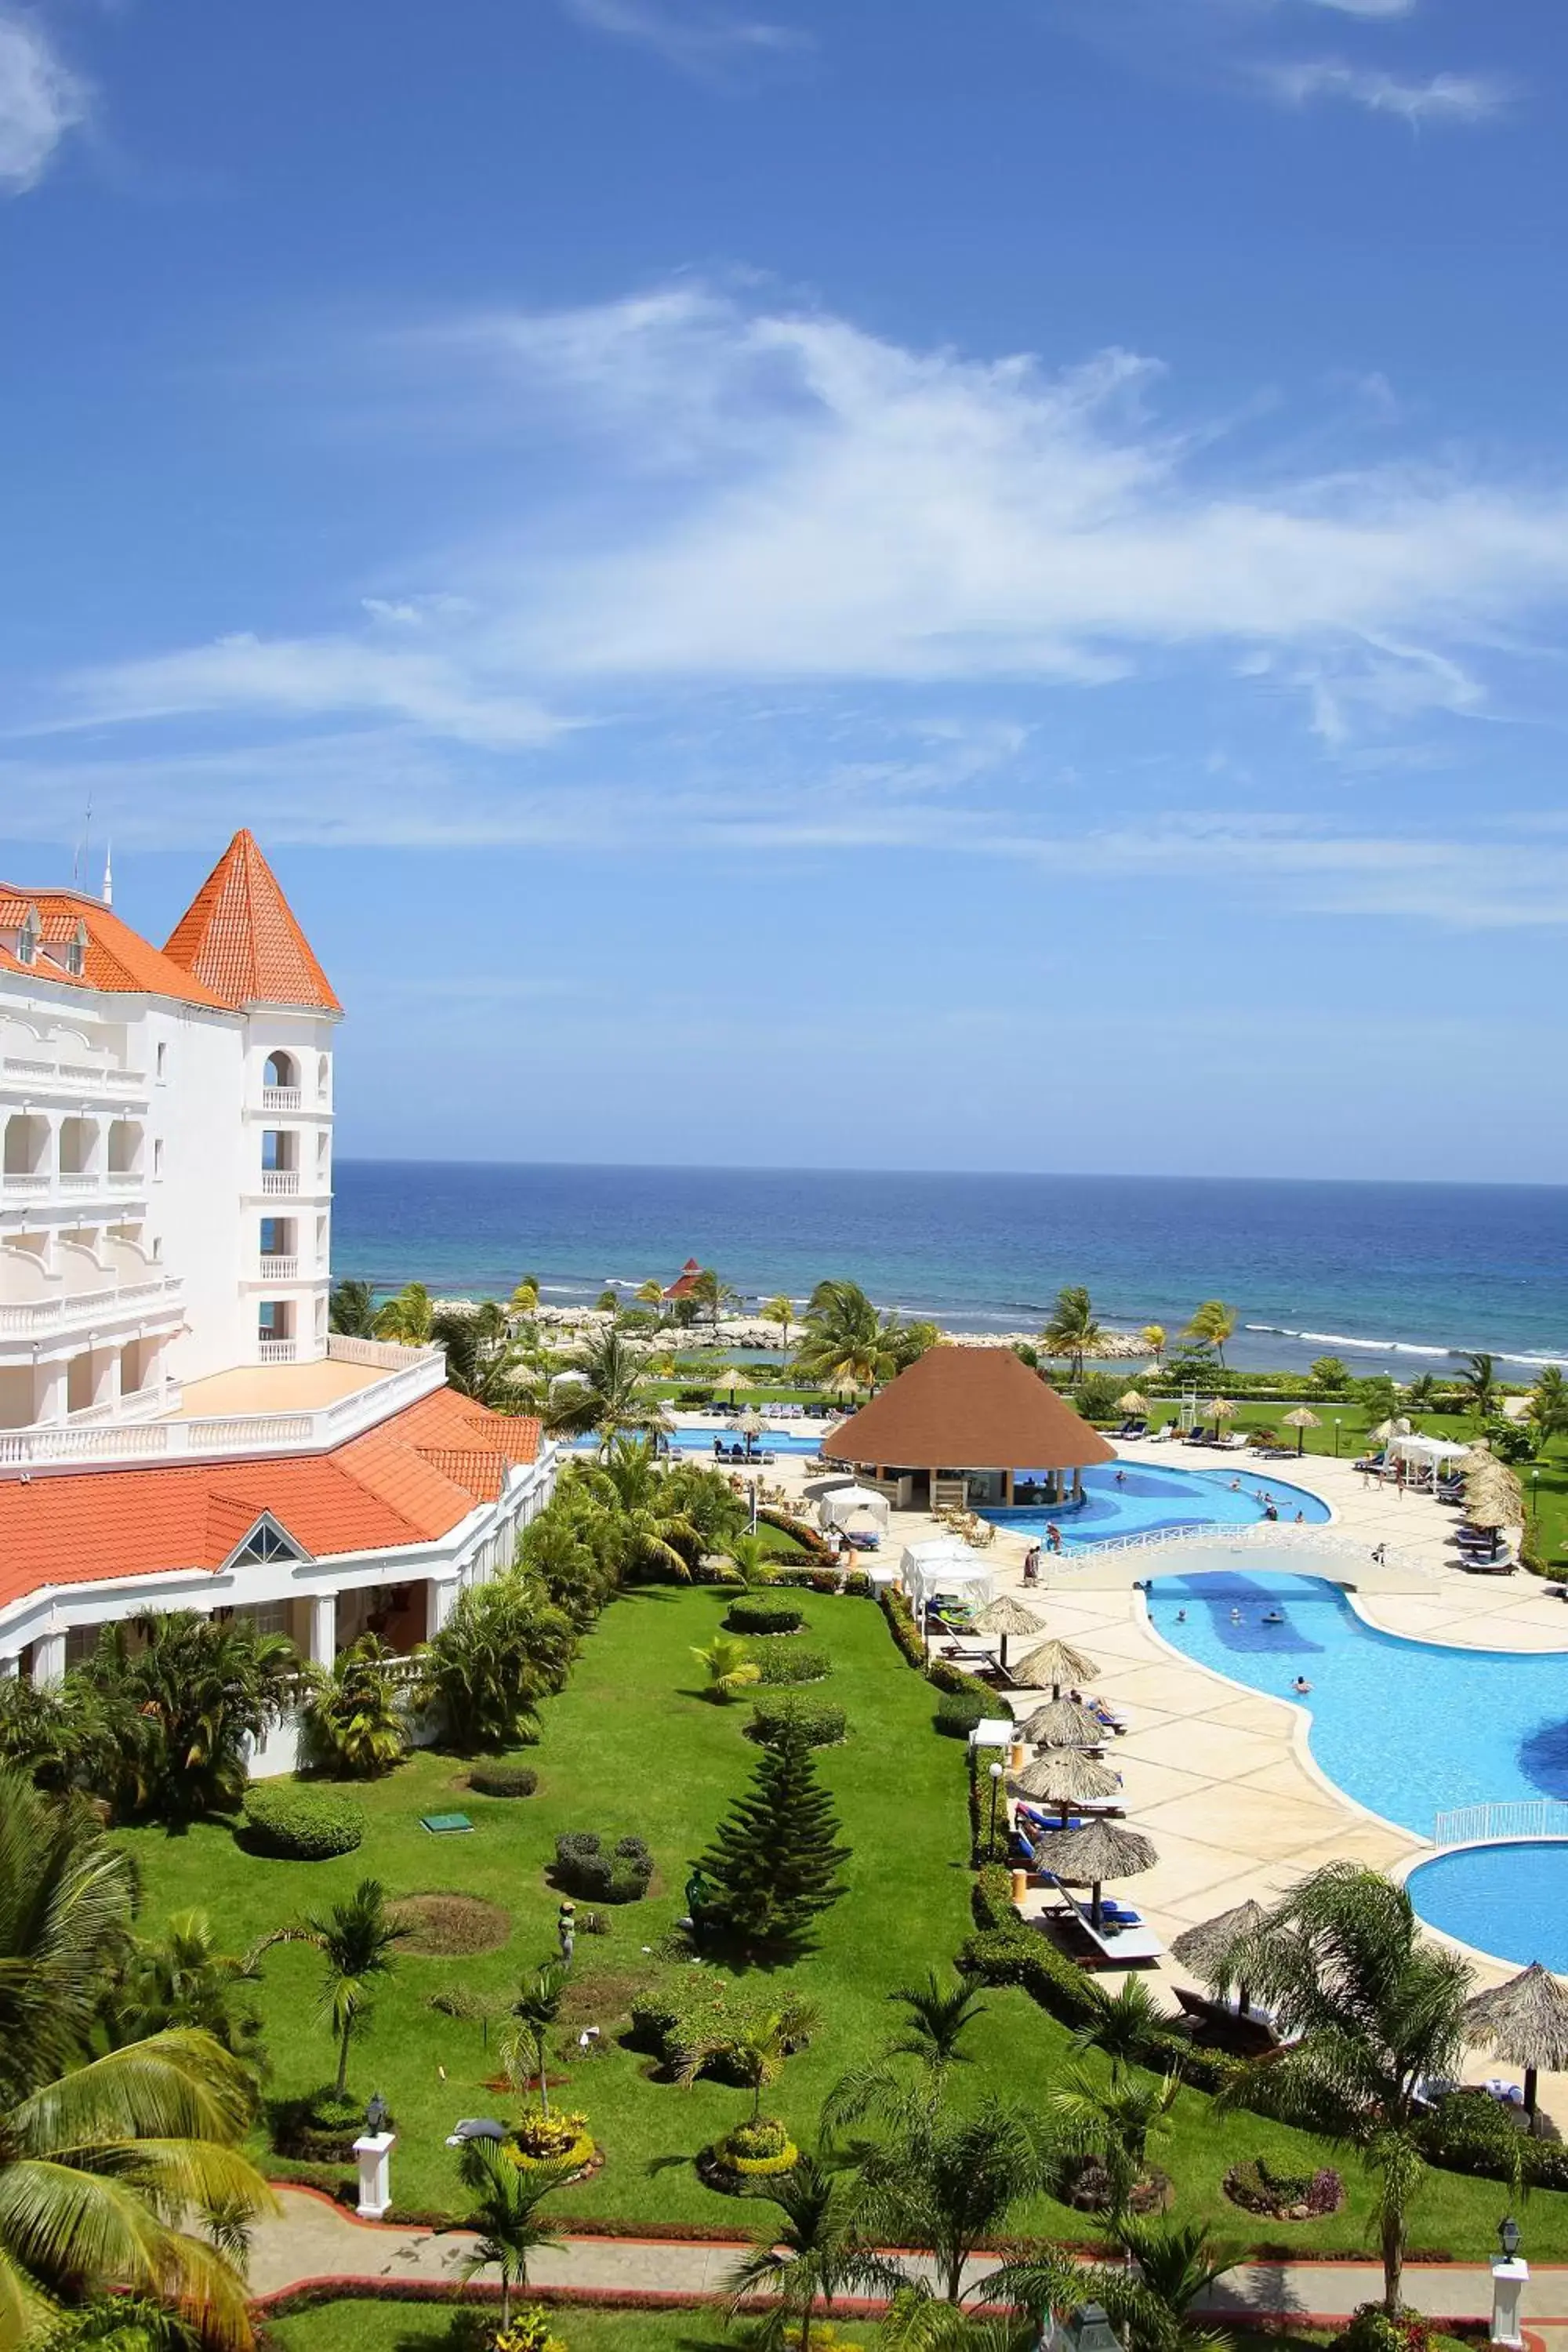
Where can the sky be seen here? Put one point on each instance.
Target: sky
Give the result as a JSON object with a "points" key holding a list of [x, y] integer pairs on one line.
{"points": [[925, 584]]}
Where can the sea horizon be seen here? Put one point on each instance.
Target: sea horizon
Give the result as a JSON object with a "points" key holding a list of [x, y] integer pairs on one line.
{"points": [[1395, 1275]]}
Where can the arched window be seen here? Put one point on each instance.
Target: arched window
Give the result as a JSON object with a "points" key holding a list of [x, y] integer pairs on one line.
{"points": [[282, 1070]]}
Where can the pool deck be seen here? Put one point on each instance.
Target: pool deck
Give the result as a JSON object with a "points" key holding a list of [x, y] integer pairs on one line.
{"points": [[1220, 1777]]}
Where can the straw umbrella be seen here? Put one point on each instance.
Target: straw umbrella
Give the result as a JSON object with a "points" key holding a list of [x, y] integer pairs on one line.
{"points": [[1397, 1427], [1134, 1402], [1052, 1663], [1062, 1723], [1088, 1857], [1007, 1616], [1526, 2022], [732, 1377], [1222, 1410], [1205, 1949], [1301, 1420], [1065, 1777]]}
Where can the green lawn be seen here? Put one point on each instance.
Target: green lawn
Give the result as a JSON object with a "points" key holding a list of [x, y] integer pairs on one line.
{"points": [[631, 1747], [362, 2325]]}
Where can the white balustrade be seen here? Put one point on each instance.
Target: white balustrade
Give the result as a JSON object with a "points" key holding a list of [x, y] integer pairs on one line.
{"points": [[276, 1181], [36, 1315], [25, 1187], [277, 1351], [279, 1098], [1509, 1817], [280, 1269]]}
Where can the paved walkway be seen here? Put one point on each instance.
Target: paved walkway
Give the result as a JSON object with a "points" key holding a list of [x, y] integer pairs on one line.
{"points": [[317, 2241]]}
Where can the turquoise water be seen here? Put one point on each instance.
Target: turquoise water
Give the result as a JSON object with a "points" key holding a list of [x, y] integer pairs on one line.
{"points": [[1507, 1899], [1410, 1728], [1160, 1496], [699, 1440]]}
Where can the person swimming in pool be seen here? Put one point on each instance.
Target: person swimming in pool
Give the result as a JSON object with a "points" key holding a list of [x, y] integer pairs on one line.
{"points": [[1236, 1616], [1300, 1685], [1181, 1616], [1121, 1478], [1274, 1617]]}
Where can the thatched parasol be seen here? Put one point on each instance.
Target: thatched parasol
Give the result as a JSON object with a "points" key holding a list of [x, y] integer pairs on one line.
{"points": [[1301, 1420], [1397, 1427], [1052, 1663], [1062, 1723], [751, 1423], [1007, 1616], [1088, 1857], [1221, 1409], [1206, 1948], [1064, 1777], [1134, 1402], [1478, 1456], [1526, 2022], [733, 1376]]}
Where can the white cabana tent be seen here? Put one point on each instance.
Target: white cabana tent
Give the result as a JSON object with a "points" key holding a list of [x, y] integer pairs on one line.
{"points": [[1426, 1456], [839, 1507], [945, 1565]]}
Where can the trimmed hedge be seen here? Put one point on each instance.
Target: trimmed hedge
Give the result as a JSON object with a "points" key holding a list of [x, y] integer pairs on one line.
{"points": [[302, 1825], [698, 2007], [902, 1627], [1472, 2132], [754, 1613], [824, 1724], [503, 1779], [806, 1535], [958, 1712], [786, 1662], [583, 1867]]}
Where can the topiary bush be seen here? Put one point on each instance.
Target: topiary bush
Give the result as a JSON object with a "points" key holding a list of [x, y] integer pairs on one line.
{"points": [[958, 1712], [761, 1613], [584, 1867], [302, 1824], [788, 1662], [503, 1781], [824, 1722]]}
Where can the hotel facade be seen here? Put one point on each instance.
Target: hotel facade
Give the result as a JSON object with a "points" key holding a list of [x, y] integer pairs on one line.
{"points": [[178, 1427]]}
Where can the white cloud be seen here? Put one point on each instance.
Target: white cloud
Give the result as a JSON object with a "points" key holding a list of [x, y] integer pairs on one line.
{"points": [[693, 36], [41, 100], [1440, 98]]}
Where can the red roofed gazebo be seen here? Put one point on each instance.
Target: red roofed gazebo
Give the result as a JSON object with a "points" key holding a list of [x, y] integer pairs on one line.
{"points": [[977, 1419], [685, 1283]]}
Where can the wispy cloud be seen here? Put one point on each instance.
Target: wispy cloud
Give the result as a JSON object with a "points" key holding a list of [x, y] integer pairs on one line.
{"points": [[1368, 8], [693, 37], [41, 100], [1439, 97]]}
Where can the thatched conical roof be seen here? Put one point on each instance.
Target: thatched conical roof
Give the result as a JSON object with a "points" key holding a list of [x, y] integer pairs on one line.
{"points": [[1088, 1856], [1007, 1615], [1065, 1774], [1050, 1664], [1218, 1408], [1205, 1948], [1134, 1402], [1303, 1418], [1525, 2020], [1062, 1723]]}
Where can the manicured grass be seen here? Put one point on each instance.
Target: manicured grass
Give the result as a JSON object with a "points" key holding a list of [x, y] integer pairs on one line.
{"points": [[363, 2325], [632, 1747]]}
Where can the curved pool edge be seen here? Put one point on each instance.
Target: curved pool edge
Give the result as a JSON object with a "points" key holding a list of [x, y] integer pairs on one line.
{"points": [[1403, 1871]]}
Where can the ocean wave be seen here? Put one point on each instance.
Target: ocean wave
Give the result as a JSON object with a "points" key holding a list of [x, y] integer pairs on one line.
{"points": [[1400, 1347]]}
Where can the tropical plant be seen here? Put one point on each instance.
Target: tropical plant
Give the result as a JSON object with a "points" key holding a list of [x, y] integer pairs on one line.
{"points": [[69, 1735], [650, 1293], [501, 1649], [936, 2021], [707, 1501], [1212, 1325], [355, 1940], [845, 1343], [1480, 1386], [1072, 1329], [779, 1309], [612, 1397], [483, 1360], [354, 1721], [713, 1296], [351, 1309], [181, 1979], [1152, 2305], [813, 2255], [1376, 2008], [524, 1300], [100, 2158], [189, 1701], [1126, 2024], [650, 1529], [755, 2052], [504, 2210], [728, 1666], [775, 1862], [1330, 1375], [752, 1561], [524, 2039], [608, 1302], [1154, 1338], [907, 1342], [948, 2187], [1548, 1407], [407, 1317], [1114, 2119]]}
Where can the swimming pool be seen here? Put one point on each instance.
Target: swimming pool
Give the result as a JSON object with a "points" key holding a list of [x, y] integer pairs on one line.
{"points": [[699, 1440], [1507, 1899], [1151, 1496]]}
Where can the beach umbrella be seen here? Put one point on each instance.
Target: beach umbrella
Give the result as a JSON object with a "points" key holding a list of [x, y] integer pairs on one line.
{"points": [[1397, 1427], [1477, 1455], [1088, 1857], [732, 1377], [751, 1423], [1051, 1665], [1222, 1409], [1134, 1402], [1064, 1777], [1526, 2022], [1005, 1616], [1062, 1723], [1206, 1949], [1301, 1420]]}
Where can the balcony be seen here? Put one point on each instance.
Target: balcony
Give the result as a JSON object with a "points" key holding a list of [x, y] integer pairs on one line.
{"points": [[280, 1269], [25, 1188], [78, 1079], [280, 1098], [36, 1318], [279, 1182], [277, 1351]]}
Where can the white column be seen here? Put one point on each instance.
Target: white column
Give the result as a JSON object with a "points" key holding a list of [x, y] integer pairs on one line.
{"points": [[440, 1599], [49, 1391], [374, 2154], [1508, 2282], [324, 1628], [49, 1659]]}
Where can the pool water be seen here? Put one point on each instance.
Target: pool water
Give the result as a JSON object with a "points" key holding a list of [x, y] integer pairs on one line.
{"points": [[1507, 1899], [1153, 1496], [699, 1440]]}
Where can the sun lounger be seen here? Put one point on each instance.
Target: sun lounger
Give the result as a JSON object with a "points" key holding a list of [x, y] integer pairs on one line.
{"points": [[1232, 1442], [1197, 1437], [1252, 2027], [1121, 1945]]}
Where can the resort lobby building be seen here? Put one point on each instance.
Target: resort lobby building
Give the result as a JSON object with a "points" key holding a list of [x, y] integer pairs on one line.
{"points": [[965, 1428], [178, 1427]]}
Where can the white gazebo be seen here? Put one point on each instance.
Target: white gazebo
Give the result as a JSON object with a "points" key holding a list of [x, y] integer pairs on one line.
{"points": [[1426, 1456], [837, 1508], [943, 1565]]}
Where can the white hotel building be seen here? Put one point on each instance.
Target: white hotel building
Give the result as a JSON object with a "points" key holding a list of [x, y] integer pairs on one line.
{"points": [[178, 1429]]}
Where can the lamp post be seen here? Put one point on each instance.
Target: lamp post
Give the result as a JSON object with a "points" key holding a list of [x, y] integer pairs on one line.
{"points": [[1336, 1437], [995, 1791], [1511, 2276], [1535, 1498]]}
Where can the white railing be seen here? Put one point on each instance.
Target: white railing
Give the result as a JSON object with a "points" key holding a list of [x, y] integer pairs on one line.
{"points": [[280, 1269], [78, 1077], [78, 1181], [416, 1379], [26, 1185], [1264, 1535], [343, 1348], [49, 1313], [1511, 1816], [279, 1180], [277, 1351], [279, 1098]]}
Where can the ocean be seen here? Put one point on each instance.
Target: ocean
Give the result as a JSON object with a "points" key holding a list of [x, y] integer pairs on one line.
{"points": [[1390, 1277]]}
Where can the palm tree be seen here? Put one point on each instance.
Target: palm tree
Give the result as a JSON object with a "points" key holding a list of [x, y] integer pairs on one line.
{"points": [[525, 2037], [99, 2156], [407, 1317], [650, 1293], [1212, 1325], [651, 1531], [191, 1700], [1549, 1404], [1422, 1394], [356, 1939], [612, 1397], [1481, 1386], [907, 1342], [1153, 1336], [756, 2053], [524, 1300], [483, 1361], [183, 1979], [937, 2018], [815, 2253], [1376, 2008], [351, 1709], [1115, 2120], [504, 1645], [504, 2210], [845, 1343], [1072, 1329], [727, 1666], [1124, 2024], [351, 1309], [716, 1297], [1177, 2266], [608, 1302], [779, 1309], [948, 2187], [751, 1558]]}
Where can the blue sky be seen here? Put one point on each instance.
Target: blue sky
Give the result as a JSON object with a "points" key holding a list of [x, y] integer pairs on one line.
{"points": [[1008, 556]]}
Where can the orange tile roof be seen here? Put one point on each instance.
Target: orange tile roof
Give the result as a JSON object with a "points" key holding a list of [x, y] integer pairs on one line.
{"points": [[117, 958], [410, 1481], [239, 938]]}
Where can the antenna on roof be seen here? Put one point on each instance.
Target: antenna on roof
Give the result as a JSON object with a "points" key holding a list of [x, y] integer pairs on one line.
{"points": [[109, 875]]}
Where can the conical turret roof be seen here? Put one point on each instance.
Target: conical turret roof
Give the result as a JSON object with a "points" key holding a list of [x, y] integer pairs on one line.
{"points": [[239, 937]]}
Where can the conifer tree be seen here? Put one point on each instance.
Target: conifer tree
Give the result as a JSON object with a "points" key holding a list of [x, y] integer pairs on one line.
{"points": [[774, 1859]]}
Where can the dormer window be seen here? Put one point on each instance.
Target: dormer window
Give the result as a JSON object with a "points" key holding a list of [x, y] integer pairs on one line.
{"points": [[265, 1543], [76, 951], [27, 938]]}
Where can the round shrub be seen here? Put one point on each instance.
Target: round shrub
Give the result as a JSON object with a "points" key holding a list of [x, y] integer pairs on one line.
{"points": [[302, 1825], [786, 1662], [583, 1865], [758, 1614], [503, 1780], [958, 1712], [824, 1722]]}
